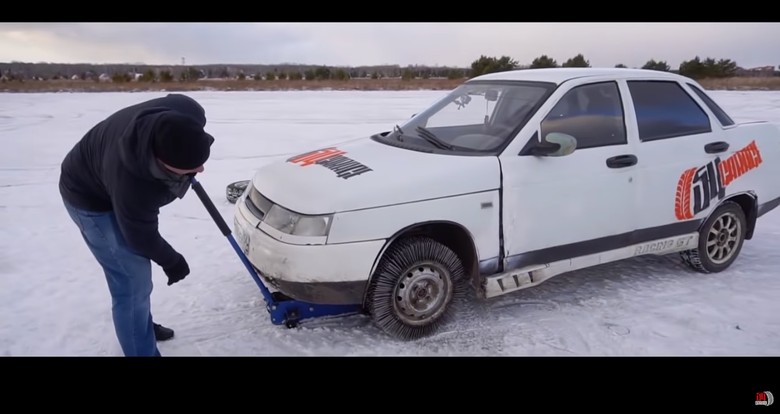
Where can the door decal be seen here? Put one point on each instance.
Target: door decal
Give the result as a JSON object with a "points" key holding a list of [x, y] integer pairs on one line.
{"points": [[697, 187]]}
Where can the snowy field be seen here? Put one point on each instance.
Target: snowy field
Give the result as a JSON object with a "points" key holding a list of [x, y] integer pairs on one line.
{"points": [[54, 299]]}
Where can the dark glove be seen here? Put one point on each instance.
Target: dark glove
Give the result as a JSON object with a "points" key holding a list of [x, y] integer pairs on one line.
{"points": [[178, 271]]}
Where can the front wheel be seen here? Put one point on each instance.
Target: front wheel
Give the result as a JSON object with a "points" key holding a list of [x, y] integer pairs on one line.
{"points": [[412, 292], [720, 240]]}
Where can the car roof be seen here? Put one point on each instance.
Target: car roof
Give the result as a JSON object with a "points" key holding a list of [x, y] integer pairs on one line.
{"points": [[560, 75]]}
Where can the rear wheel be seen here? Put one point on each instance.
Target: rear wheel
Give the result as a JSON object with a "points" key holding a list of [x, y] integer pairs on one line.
{"points": [[415, 287], [720, 240]]}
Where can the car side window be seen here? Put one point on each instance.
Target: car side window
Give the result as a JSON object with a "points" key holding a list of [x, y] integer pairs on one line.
{"points": [[719, 113], [593, 114], [665, 110]]}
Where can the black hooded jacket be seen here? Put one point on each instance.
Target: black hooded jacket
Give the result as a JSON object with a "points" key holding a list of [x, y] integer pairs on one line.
{"points": [[113, 168]]}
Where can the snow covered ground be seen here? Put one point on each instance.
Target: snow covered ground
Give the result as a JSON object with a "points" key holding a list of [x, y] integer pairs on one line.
{"points": [[54, 300]]}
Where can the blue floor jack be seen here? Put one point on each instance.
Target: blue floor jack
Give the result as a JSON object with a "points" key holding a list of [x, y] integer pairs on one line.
{"points": [[284, 310]]}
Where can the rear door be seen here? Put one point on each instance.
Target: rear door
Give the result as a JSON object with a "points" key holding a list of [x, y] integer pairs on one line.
{"points": [[680, 149]]}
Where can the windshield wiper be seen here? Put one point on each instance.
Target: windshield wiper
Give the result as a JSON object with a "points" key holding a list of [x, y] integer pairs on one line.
{"points": [[432, 138]]}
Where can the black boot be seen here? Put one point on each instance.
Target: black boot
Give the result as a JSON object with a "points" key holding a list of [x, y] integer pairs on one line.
{"points": [[162, 333]]}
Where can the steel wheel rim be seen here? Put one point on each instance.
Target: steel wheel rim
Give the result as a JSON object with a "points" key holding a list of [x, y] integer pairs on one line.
{"points": [[422, 293], [723, 238]]}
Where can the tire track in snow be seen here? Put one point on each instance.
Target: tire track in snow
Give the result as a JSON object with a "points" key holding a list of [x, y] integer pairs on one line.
{"points": [[26, 184]]}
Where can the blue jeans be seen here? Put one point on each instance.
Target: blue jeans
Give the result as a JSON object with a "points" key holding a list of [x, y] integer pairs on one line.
{"points": [[129, 278]]}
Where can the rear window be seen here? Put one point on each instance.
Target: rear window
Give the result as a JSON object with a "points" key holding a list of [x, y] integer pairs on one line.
{"points": [[719, 113], [665, 110]]}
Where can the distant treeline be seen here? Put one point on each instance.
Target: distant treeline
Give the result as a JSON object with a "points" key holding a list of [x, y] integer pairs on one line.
{"points": [[186, 73], [695, 68], [20, 71]]}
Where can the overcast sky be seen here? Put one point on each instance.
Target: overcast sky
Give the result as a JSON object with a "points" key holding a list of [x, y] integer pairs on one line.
{"points": [[357, 44]]}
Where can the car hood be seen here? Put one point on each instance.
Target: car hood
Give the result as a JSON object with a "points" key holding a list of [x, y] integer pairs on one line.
{"points": [[367, 174]]}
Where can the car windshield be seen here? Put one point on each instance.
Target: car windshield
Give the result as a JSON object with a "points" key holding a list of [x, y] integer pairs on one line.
{"points": [[476, 118]]}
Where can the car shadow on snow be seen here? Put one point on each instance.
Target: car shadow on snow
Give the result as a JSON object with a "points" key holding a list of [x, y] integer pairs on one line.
{"points": [[597, 286], [602, 281]]}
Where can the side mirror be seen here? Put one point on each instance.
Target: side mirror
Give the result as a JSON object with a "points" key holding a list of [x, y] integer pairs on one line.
{"points": [[555, 144]]}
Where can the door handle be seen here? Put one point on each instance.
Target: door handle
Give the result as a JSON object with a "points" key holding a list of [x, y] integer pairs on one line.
{"points": [[716, 147], [622, 161]]}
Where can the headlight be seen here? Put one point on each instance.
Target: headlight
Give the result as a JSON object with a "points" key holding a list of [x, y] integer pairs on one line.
{"points": [[296, 224]]}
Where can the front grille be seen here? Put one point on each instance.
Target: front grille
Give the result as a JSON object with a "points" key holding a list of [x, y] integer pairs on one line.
{"points": [[257, 204]]}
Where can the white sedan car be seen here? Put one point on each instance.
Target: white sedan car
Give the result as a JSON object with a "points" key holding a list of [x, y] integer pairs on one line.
{"points": [[508, 180]]}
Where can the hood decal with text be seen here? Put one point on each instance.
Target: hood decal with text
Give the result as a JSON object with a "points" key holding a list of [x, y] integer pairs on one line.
{"points": [[333, 159], [697, 187]]}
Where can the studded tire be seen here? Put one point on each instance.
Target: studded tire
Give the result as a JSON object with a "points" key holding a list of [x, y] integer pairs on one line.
{"points": [[418, 284], [720, 240]]}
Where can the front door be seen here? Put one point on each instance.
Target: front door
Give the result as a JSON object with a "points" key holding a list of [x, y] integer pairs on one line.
{"points": [[556, 208]]}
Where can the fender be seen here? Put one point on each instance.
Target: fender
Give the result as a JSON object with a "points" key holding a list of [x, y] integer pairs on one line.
{"points": [[404, 231], [751, 214]]}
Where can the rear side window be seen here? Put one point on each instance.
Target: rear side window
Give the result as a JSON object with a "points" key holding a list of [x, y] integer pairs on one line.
{"points": [[665, 110], [719, 113]]}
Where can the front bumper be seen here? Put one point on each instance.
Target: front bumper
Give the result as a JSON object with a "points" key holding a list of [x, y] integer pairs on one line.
{"points": [[334, 274]]}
